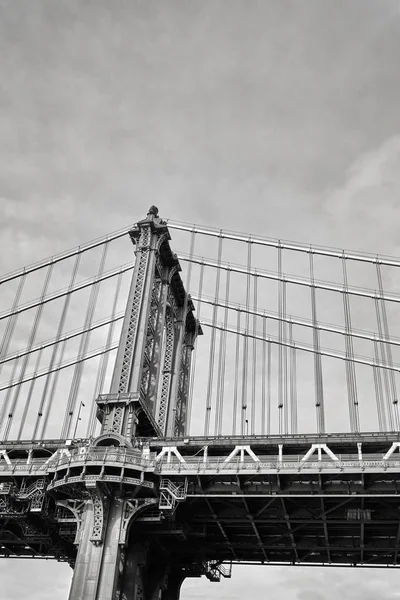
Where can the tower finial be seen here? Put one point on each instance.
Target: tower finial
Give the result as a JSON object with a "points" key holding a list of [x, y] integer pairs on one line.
{"points": [[153, 210]]}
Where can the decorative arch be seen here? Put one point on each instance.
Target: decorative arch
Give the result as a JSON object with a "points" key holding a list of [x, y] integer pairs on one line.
{"points": [[106, 439], [132, 511]]}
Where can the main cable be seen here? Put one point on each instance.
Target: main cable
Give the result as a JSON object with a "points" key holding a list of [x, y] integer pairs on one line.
{"points": [[322, 285]]}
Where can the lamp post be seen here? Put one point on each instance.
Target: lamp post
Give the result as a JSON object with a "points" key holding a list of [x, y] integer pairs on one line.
{"points": [[78, 419]]}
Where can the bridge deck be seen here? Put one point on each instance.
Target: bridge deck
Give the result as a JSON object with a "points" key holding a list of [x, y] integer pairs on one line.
{"points": [[320, 499]]}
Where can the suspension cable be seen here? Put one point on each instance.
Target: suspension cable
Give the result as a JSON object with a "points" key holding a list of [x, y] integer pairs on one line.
{"points": [[185, 405], [65, 292], [6, 402], [364, 335], [350, 368], [64, 255], [293, 382], [5, 343], [380, 405], [254, 376], [237, 370], [54, 375], [318, 379], [294, 246], [102, 370], [221, 367], [29, 396], [307, 348], [281, 291], [56, 347], [64, 338], [389, 357], [77, 376], [382, 351], [212, 349], [31, 340], [60, 366], [332, 287], [194, 361], [245, 355], [263, 376], [269, 383]]}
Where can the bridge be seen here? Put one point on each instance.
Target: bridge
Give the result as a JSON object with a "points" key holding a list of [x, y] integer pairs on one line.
{"points": [[149, 434]]}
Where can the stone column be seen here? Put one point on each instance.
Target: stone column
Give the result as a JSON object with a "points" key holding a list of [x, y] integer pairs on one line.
{"points": [[97, 564]]}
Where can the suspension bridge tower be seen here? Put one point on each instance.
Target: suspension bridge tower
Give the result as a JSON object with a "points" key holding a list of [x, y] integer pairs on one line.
{"points": [[148, 398]]}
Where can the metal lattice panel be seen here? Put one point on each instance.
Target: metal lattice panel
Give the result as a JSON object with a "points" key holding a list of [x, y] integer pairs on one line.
{"points": [[117, 417], [150, 339], [166, 372], [100, 510], [135, 310]]}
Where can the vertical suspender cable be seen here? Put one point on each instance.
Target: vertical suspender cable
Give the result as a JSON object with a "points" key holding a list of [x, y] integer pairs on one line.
{"points": [[181, 412], [285, 361], [31, 340], [212, 344], [194, 361], [8, 395], [380, 406], [190, 265], [188, 287], [77, 376], [383, 372], [52, 395], [254, 375], [280, 340], [222, 364], [236, 384], [389, 357], [269, 366], [263, 374], [293, 382], [102, 370], [221, 335], [244, 420], [29, 397], [43, 409], [319, 386], [5, 343], [350, 368]]}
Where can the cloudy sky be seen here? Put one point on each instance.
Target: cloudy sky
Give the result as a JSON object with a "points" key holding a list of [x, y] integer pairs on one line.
{"points": [[275, 117]]}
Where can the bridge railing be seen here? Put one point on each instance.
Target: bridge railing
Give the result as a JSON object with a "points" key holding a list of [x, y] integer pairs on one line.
{"points": [[79, 456], [171, 463], [275, 464]]}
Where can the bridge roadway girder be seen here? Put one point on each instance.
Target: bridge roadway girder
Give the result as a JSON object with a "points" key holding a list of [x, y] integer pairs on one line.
{"points": [[271, 509]]}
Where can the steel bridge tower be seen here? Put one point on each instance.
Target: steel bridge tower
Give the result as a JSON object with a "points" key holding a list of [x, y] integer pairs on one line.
{"points": [[148, 397]]}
